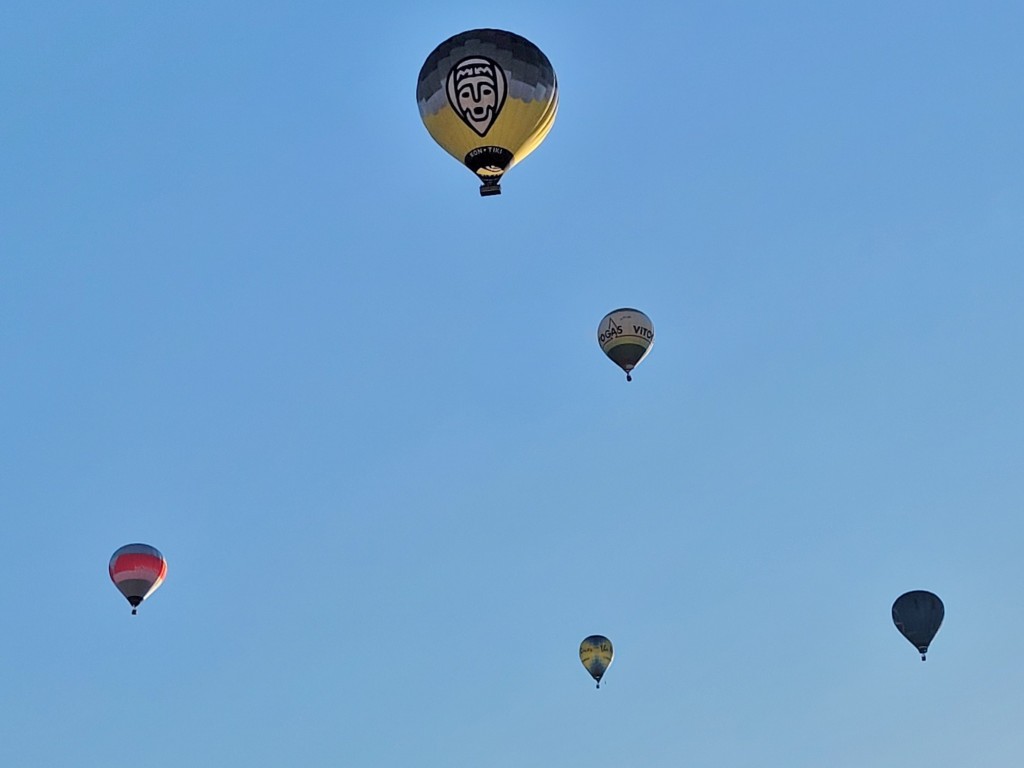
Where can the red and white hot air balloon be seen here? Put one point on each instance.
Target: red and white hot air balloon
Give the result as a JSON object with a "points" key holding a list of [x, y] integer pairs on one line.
{"points": [[137, 570]]}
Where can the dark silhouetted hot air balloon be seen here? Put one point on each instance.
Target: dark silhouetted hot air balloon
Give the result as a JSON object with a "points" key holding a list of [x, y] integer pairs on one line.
{"points": [[626, 336], [137, 570], [918, 616], [596, 654], [489, 98]]}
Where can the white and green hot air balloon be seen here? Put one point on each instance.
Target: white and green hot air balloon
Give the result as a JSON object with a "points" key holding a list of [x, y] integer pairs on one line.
{"points": [[626, 336]]}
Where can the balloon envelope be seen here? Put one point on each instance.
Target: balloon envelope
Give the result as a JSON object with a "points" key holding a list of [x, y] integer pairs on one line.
{"points": [[918, 616], [626, 335], [489, 98], [137, 570], [596, 654]]}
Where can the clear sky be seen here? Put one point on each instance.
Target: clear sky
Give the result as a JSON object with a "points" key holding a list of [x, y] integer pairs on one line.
{"points": [[252, 315]]}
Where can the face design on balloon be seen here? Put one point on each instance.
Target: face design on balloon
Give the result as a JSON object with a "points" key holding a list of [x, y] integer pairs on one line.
{"points": [[476, 90]]}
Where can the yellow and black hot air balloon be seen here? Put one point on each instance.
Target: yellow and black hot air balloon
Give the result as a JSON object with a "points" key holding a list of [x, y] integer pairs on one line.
{"points": [[488, 97]]}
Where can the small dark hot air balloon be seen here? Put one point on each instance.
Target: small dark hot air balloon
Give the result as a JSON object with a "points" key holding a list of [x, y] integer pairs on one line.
{"points": [[596, 654], [137, 570], [626, 336], [918, 616]]}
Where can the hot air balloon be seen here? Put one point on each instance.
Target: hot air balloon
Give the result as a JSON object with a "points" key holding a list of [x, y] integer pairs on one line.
{"points": [[596, 654], [137, 570], [489, 98], [918, 616], [626, 336]]}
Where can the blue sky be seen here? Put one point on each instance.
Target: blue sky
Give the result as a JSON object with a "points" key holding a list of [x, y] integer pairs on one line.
{"points": [[251, 314]]}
